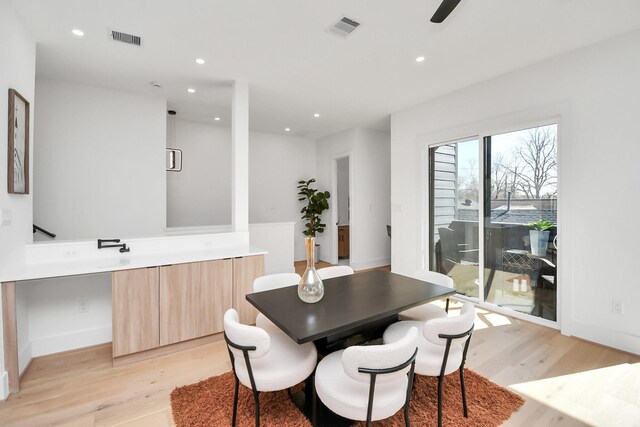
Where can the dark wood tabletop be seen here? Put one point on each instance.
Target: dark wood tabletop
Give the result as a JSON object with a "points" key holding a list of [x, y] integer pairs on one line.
{"points": [[349, 302]]}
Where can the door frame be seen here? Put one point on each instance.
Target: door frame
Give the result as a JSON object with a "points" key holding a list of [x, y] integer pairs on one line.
{"points": [[334, 206], [481, 130]]}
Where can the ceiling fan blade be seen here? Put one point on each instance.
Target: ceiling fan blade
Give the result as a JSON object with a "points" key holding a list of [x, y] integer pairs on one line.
{"points": [[446, 7]]}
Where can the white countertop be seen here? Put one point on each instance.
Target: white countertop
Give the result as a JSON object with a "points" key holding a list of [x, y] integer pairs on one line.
{"points": [[40, 267]]}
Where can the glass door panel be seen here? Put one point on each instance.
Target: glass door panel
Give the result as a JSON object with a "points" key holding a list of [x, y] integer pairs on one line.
{"points": [[454, 188], [520, 192]]}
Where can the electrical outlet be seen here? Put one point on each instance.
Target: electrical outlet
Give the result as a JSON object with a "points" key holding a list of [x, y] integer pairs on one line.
{"points": [[617, 307], [84, 306], [5, 216], [70, 253]]}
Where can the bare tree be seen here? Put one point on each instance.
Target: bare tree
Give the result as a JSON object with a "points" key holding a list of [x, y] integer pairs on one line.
{"points": [[539, 160], [499, 177]]}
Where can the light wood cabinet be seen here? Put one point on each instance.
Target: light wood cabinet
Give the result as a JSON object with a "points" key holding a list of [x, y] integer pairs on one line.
{"points": [[343, 241], [135, 310], [159, 306], [193, 299], [245, 270]]}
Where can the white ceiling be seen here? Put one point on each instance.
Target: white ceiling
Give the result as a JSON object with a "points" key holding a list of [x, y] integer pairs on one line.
{"points": [[293, 66]]}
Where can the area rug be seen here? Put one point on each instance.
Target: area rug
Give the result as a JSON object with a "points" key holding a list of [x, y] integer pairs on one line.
{"points": [[210, 403]]}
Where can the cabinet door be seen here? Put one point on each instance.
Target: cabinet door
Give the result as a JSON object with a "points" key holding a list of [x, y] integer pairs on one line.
{"points": [[347, 248], [134, 310], [245, 270], [218, 275], [193, 298]]}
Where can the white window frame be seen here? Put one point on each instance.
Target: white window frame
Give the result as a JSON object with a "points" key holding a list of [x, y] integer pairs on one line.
{"points": [[480, 131]]}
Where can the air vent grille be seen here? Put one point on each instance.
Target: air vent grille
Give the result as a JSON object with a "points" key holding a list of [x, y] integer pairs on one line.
{"points": [[343, 27], [119, 36]]}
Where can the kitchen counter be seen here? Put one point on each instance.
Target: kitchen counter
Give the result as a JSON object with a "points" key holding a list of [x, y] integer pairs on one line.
{"points": [[224, 285], [82, 257]]}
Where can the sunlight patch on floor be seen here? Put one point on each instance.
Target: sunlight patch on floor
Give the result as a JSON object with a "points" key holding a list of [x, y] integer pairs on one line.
{"points": [[602, 397], [496, 319]]}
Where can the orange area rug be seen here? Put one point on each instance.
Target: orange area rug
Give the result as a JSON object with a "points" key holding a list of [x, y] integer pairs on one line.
{"points": [[210, 403]]}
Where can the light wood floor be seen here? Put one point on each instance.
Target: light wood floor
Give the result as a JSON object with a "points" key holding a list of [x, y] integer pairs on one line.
{"points": [[81, 388]]}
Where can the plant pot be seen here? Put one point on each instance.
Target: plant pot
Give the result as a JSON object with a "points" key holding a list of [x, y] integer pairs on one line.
{"points": [[539, 242], [310, 288]]}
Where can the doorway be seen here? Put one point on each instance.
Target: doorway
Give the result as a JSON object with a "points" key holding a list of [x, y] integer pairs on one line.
{"points": [[493, 218], [343, 209]]}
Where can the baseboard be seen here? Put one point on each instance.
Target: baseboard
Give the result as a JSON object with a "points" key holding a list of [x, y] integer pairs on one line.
{"points": [[24, 358], [167, 349], [606, 337], [4, 390], [71, 341], [367, 264]]}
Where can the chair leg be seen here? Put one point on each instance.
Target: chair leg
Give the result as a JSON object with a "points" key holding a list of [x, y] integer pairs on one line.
{"points": [[406, 415], [256, 398], [440, 380], [314, 405], [235, 405], [464, 393]]}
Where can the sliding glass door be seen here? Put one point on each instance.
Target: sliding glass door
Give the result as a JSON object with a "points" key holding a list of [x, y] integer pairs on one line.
{"points": [[455, 200], [517, 261]]}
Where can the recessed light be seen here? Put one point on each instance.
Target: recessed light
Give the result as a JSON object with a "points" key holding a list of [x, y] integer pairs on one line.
{"points": [[217, 119], [287, 129], [420, 59], [77, 33], [316, 115], [191, 90], [200, 61]]}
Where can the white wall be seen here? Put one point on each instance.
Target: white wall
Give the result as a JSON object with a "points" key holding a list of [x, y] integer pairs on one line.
{"points": [[277, 239], [370, 195], [342, 196], [371, 202], [276, 164], [17, 71], [99, 162], [53, 319], [201, 193], [594, 92]]}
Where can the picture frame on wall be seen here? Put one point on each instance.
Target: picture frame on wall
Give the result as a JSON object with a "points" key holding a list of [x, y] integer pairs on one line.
{"points": [[18, 158]]}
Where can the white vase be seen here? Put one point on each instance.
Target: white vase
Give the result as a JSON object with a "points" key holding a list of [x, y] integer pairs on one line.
{"points": [[539, 242], [310, 288]]}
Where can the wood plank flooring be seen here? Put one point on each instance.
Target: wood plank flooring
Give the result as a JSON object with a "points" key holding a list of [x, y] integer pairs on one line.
{"points": [[81, 388]]}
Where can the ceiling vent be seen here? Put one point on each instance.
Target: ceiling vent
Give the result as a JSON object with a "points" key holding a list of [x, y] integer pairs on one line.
{"points": [[343, 27], [126, 38]]}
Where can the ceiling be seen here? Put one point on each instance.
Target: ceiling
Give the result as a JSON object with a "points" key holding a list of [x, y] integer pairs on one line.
{"points": [[295, 68]]}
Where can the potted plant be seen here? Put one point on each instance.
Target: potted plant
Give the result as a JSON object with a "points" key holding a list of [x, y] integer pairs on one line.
{"points": [[310, 288], [539, 236]]}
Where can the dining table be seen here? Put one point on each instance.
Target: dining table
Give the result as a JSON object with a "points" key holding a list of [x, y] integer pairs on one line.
{"points": [[354, 307]]}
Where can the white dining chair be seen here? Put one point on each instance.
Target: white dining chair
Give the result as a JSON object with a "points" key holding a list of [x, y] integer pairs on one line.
{"points": [[267, 283], [334, 271], [264, 361], [368, 383], [428, 311], [442, 347]]}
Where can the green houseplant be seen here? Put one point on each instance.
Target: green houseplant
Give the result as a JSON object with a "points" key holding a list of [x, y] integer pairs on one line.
{"points": [[310, 288], [316, 203], [539, 236]]}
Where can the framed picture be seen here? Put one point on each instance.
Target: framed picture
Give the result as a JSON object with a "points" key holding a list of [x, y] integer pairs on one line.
{"points": [[18, 171]]}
